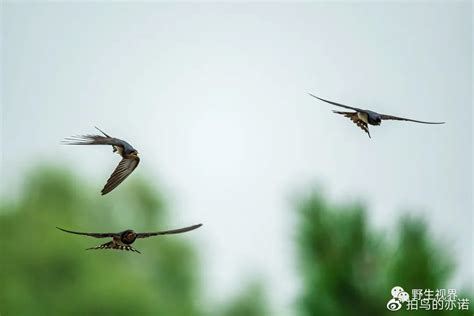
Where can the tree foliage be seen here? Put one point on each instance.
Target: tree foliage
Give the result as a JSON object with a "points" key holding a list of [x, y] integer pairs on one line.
{"points": [[347, 268], [47, 272]]}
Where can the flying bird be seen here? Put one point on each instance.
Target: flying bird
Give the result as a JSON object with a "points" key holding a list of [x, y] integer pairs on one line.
{"points": [[124, 239], [125, 167], [364, 117]]}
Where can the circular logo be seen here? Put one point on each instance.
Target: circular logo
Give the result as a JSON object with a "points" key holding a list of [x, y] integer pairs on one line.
{"points": [[399, 296], [394, 305]]}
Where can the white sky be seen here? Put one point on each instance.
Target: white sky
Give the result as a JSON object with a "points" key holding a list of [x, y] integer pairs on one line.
{"points": [[214, 97]]}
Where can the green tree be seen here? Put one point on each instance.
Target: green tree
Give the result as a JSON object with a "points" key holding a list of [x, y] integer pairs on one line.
{"points": [[251, 301], [45, 271], [347, 268], [48, 272]]}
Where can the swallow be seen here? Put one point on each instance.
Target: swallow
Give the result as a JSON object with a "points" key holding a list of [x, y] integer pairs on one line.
{"points": [[129, 162], [124, 239], [364, 117]]}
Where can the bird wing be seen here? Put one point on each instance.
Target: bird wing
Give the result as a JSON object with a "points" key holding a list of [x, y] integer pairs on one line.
{"points": [[102, 132], [113, 245], [93, 140], [166, 232], [357, 121], [337, 104], [123, 170], [96, 235], [391, 117]]}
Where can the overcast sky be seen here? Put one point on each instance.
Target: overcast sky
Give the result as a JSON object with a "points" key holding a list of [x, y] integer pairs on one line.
{"points": [[214, 97]]}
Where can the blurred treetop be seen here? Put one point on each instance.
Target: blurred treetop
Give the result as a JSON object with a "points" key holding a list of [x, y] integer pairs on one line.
{"points": [[345, 267]]}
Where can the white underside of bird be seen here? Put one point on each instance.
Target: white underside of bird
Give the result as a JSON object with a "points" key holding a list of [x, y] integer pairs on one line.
{"points": [[363, 117], [118, 149]]}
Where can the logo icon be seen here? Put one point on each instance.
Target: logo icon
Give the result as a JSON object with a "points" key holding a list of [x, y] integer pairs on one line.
{"points": [[399, 296]]}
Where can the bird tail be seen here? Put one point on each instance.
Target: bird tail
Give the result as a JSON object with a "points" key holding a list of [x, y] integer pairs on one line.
{"points": [[355, 119], [112, 245], [102, 132], [107, 245], [85, 140], [346, 114]]}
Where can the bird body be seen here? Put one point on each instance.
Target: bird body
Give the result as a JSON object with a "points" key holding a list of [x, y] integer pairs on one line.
{"points": [[126, 166], [124, 149], [117, 149], [363, 118], [123, 240]]}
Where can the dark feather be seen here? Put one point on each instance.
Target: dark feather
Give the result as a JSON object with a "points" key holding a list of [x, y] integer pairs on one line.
{"points": [[337, 104], [102, 132], [113, 245], [169, 232], [121, 172], [92, 140], [355, 118], [391, 117], [96, 235]]}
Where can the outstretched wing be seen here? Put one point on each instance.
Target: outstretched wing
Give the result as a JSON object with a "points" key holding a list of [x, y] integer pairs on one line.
{"points": [[336, 104], [123, 170], [93, 140], [168, 232], [357, 121], [96, 235], [113, 245], [391, 117]]}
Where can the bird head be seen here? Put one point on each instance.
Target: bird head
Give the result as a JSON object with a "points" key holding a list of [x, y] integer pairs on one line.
{"points": [[128, 236]]}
